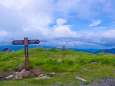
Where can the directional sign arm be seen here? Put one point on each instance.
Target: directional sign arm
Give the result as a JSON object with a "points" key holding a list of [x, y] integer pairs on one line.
{"points": [[18, 42], [33, 41]]}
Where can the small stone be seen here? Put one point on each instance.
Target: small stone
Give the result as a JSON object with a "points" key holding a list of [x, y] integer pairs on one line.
{"points": [[54, 55], [51, 74], [10, 77], [16, 73], [81, 79], [43, 77], [59, 60], [93, 62], [0, 76], [85, 69], [32, 75], [9, 69]]}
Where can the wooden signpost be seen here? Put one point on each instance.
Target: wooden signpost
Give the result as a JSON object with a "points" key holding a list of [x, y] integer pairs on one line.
{"points": [[26, 42]]}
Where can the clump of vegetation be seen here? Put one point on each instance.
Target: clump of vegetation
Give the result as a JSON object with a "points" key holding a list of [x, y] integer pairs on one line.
{"points": [[71, 59], [86, 65]]}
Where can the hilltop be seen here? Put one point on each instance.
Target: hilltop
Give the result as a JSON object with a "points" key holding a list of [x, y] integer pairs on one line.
{"points": [[66, 64]]}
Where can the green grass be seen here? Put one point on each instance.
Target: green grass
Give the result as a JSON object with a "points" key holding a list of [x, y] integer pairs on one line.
{"points": [[73, 63]]}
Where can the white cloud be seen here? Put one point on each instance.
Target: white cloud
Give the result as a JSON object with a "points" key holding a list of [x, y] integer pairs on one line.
{"points": [[61, 21], [62, 31], [3, 35], [85, 8], [37, 18], [95, 23], [16, 4], [109, 34]]}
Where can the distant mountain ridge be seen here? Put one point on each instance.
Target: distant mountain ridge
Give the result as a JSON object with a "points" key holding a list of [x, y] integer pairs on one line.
{"points": [[94, 51], [107, 51]]}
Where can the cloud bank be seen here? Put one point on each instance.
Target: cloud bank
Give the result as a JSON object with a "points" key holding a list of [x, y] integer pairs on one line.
{"points": [[59, 21]]}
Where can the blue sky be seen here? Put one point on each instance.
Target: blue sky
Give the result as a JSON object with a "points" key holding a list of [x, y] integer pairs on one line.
{"points": [[74, 23]]}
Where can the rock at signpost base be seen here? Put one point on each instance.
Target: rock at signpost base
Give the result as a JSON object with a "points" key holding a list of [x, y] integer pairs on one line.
{"points": [[26, 74], [9, 77], [37, 71], [43, 77], [16, 73], [19, 76], [22, 71], [20, 67]]}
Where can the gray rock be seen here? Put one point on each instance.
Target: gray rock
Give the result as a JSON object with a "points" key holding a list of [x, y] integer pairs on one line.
{"points": [[94, 62], [36, 71], [59, 60], [22, 71], [54, 55], [81, 79], [51, 74], [20, 67], [26, 74], [16, 73], [43, 77], [10, 77], [19, 76], [104, 82], [5, 49]]}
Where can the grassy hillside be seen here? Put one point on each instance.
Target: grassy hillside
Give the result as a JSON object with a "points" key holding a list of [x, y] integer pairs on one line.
{"points": [[73, 63]]}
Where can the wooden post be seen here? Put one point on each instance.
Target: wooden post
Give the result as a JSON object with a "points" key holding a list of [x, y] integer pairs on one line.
{"points": [[25, 42], [26, 53]]}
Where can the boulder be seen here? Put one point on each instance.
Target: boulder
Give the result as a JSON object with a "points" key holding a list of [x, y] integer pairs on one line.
{"points": [[26, 74], [22, 71], [22, 74], [20, 67], [18, 75]]}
